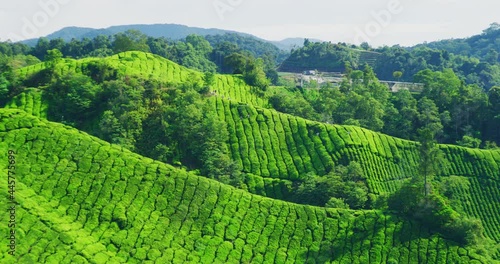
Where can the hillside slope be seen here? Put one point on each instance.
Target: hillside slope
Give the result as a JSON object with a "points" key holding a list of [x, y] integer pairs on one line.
{"points": [[275, 149], [82, 200], [149, 66]]}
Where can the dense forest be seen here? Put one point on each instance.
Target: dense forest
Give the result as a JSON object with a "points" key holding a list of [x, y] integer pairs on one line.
{"points": [[126, 141]]}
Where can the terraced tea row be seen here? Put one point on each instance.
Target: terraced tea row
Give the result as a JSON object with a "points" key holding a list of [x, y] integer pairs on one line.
{"points": [[44, 235], [480, 198], [31, 102], [111, 205], [271, 144]]}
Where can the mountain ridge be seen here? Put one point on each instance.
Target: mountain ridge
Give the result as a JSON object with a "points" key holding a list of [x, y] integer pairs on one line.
{"points": [[169, 31]]}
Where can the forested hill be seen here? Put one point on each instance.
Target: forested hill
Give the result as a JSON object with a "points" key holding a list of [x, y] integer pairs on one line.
{"points": [[485, 46], [322, 56]]}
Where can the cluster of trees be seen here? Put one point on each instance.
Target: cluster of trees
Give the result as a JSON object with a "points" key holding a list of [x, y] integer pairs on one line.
{"points": [[255, 47], [476, 60], [323, 56], [171, 124], [12, 56], [411, 61], [343, 187]]}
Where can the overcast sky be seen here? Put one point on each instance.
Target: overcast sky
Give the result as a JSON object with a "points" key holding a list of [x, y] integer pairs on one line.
{"points": [[379, 22]]}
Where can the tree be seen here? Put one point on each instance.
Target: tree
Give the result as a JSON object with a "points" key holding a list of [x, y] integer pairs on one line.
{"points": [[110, 128], [73, 98], [469, 142], [347, 69], [492, 28], [430, 157], [41, 48], [52, 58], [237, 62], [365, 46], [400, 120], [208, 81], [429, 117], [368, 75], [397, 75], [130, 40], [200, 44], [294, 104], [343, 187], [4, 89], [336, 203]]}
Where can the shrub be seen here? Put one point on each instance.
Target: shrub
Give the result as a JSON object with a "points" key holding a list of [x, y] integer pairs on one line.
{"points": [[336, 203], [467, 231]]}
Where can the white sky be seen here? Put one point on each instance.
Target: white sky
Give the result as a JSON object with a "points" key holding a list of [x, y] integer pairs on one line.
{"points": [[404, 22]]}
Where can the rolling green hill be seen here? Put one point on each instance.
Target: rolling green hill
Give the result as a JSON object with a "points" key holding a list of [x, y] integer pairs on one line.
{"points": [[71, 177], [82, 200], [149, 66], [280, 146]]}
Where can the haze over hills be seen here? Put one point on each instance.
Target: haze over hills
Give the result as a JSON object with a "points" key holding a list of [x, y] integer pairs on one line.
{"points": [[169, 31]]}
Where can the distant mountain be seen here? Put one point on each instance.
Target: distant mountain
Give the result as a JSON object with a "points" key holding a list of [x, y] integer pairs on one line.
{"points": [[291, 43], [170, 31]]}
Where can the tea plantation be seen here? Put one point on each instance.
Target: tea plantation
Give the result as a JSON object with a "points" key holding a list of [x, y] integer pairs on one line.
{"points": [[82, 200]]}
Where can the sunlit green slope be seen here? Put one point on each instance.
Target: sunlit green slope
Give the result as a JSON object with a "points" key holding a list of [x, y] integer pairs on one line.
{"points": [[149, 66], [82, 200], [275, 148]]}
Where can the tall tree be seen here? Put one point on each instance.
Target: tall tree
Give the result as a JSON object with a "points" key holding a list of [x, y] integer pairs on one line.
{"points": [[130, 40], [430, 157]]}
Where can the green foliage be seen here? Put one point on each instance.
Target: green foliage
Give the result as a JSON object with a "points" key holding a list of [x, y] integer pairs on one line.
{"points": [[252, 69], [4, 89], [52, 58], [73, 95], [470, 142], [323, 56], [336, 203], [435, 212], [342, 187], [397, 75], [130, 40], [292, 103]]}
